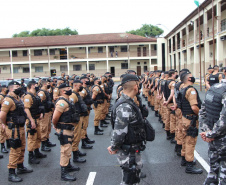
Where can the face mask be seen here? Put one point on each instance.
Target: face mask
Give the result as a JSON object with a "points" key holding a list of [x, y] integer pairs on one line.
{"points": [[105, 81], [7, 91], [69, 92], [37, 89], [108, 80], [48, 86], [87, 82], [80, 89], [140, 85], [192, 79], [17, 91], [99, 83], [176, 77]]}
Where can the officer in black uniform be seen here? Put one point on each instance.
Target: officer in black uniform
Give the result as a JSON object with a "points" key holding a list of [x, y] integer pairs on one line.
{"points": [[214, 78]]}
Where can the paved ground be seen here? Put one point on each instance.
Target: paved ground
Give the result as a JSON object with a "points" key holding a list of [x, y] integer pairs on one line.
{"points": [[161, 164]]}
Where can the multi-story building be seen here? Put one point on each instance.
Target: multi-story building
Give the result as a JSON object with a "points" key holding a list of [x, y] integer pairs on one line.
{"points": [[183, 40], [77, 54]]}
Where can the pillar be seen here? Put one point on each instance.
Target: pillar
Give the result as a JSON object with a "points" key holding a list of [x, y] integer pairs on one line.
{"points": [[87, 66], [11, 63], [30, 69], [68, 65], [219, 44], [49, 62], [107, 58]]}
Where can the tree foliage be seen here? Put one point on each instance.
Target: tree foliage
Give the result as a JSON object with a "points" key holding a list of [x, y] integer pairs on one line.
{"points": [[147, 30], [46, 32]]}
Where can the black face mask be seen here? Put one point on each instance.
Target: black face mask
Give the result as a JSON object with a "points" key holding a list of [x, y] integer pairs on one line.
{"points": [[176, 77], [192, 79], [87, 83], [99, 83], [69, 92], [37, 89], [105, 81], [108, 80], [17, 91], [80, 89], [7, 91], [140, 85], [48, 86]]}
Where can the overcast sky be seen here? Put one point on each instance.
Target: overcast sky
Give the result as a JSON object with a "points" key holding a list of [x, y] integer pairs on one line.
{"points": [[91, 16]]}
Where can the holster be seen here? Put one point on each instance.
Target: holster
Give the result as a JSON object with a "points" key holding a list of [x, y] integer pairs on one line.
{"points": [[173, 112], [31, 131], [192, 130], [15, 143], [63, 138]]}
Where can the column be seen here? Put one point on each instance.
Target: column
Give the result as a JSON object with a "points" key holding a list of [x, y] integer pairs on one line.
{"points": [[181, 53], [68, 64], [87, 66], [188, 59], [187, 35], [177, 61], [11, 63], [219, 44], [196, 52], [207, 54], [107, 58], [128, 52], [49, 62], [30, 69], [87, 52], [205, 24], [29, 56]]}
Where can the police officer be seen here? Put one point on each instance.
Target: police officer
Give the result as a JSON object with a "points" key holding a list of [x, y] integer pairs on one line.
{"points": [[35, 112], [13, 117], [214, 78], [127, 122], [64, 120], [190, 105], [210, 71], [56, 92], [213, 123], [3, 136]]}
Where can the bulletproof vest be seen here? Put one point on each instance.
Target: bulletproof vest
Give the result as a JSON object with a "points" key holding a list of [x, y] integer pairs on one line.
{"points": [[100, 96], [34, 109], [110, 87], [136, 128], [176, 93], [213, 79], [67, 117], [88, 99], [51, 93], [163, 85], [159, 83], [213, 103], [80, 105], [167, 91], [185, 105], [106, 89], [18, 112], [154, 81], [47, 102], [3, 97]]}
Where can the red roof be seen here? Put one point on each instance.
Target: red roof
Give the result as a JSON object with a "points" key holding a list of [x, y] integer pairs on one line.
{"points": [[106, 38]]}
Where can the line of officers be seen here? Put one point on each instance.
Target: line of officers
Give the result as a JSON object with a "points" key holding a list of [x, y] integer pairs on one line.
{"points": [[66, 103]]}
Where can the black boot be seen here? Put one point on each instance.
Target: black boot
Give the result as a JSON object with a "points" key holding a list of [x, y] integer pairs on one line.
{"points": [[3, 149], [102, 123], [71, 168], [179, 148], [173, 141], [176, 148], [149, 105], [85, 145], [7, 144], [108, 117], [65, 176], [156, 114], [100, 130], [21, 169], [168, 137], [160, 118], [142, 175], [81, 154], [146, 98], [77, 159], [163, 125], [13, 176], [38, 154], [183, 161], [49, 144], [1, 156], [152, 108], [191, 169], [89, 141], [44, 147], [32, 158], [97, 132]]}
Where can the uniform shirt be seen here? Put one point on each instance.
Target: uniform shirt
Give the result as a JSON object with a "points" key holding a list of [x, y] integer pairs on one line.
{"points": [[73, 98], [96, 90], [219, 127], [28, 101], [56, 93], [191, 96], [83, 93], [171, 85], [42, 95], [124, 115], [1, 99]]}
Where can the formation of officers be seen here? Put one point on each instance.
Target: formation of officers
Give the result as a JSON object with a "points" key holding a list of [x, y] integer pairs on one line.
{"points": [[62, 103]]}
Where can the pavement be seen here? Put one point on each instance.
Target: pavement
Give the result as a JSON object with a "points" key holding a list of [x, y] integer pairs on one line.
{"points": [[161, 164]]}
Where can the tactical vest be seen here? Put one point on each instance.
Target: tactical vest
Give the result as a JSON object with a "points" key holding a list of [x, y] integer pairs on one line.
{"points": [[51, 93], [176, 94], [3, 98], [34, 109], [163, 85], [88, 99], [136, 129], [213, 79], [185, 105], [159, 84], [47, 102], [100, 96], [154, 81], [167, 91], [70, 116], [18, 113], [80, 105], [213, 103]]}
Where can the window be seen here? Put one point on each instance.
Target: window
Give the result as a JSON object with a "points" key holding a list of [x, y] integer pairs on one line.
{"points": [[26, 70], [63, 68], [77, 67], [24, 53], [14, 53], [100, 49], [91, 66], [138, 63], [145, 62], [38, 52], [16, 70], [39, 69], [153, 61], [112, 49], [155, 47], [123, 48], [52, 51], [124, 65]]}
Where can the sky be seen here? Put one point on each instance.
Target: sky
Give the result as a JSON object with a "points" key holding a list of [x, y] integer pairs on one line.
{"points": [[91, 16]]}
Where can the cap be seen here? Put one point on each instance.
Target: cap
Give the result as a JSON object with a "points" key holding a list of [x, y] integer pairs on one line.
{"points": [[128, 78], [182, 76], [63, 85], [166, 72], [216, 66], [13, 83], [107, 73], [210, 67], [3, 86], [77, 81], [83, 77], [60, 79], [122, 75], [96, 79], [184, 70], [31, 82]]}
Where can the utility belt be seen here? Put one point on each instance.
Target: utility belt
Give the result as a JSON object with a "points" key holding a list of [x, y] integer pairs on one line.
{"points": [[64, 139], [65, 126], [98, 102], [36, 116], [192, 130], [13, 125], [15, 143], [132, 149]]}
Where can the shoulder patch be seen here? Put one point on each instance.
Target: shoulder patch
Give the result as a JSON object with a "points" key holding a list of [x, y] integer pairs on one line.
{"points": [[193, 92], [6, 103], [62, 105], [83, 92], [41, 94], [72, 99], [55, 90], [26, 100], [97, 90]]}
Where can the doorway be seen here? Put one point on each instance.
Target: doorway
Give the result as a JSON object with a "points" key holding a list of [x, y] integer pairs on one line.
{"points": [[53, 72], [138, 70], [155, 68], [63, 54], [113, 71]]}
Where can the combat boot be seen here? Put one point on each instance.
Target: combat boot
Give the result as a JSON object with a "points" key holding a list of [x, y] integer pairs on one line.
{"points": [[173, 141], [13, 176], [191, 169], [156, 114], [21, 169], [32, 159], [65, 176], [77, 159], [163, 125], [176, 148], [38, 154], [85, 145], [102, 123], [49, 144], [71, 168], [89, 141], [183, 161], [98, 131], [108, 117], [146, 98], [105, 122], [168, 137], [149, 105], [160, 118], [44, 147], [179, 148], [1, 156], [3, 149], [7, 144], [152, 108], [81, 154]]}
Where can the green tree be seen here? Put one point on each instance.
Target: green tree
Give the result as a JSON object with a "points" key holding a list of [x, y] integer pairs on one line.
{"points": [[147, 30], [46, 32]]}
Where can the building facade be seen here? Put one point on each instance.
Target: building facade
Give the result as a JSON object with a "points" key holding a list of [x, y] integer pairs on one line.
{"points": [[44, 56]]}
